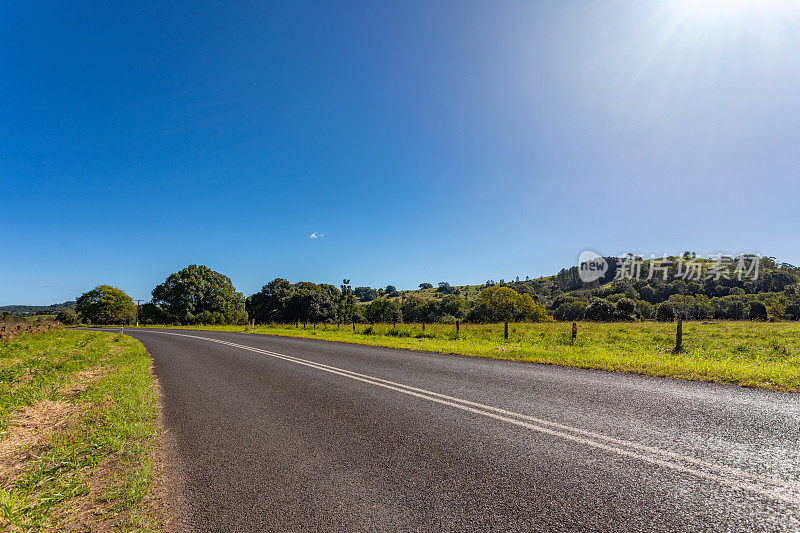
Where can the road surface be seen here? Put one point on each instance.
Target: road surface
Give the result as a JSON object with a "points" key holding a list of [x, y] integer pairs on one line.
{"points": [[286, 434]]}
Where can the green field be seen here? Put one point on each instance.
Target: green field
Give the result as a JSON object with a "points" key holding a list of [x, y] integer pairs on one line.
{"points": [[78, 424], [751, 354]]}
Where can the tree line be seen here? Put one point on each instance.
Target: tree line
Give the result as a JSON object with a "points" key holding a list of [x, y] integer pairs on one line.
{"points": [[199, 295]]}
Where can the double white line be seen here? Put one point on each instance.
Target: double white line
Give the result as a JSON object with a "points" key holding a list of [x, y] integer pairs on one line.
{"points": [[785, 491]]}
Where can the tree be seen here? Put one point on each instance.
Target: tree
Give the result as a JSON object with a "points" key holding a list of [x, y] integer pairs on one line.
{"points": [[150, 313], [626, 309], [504, 304], [68, 316], [313, 306], [665, 313], [445, 288], [269, 304], [776, 309], [347, 303], [383, 311], [425, 286], [390, 289], [645, 309], [454, 306], [198, 293], [365, 294], [105, 305]]}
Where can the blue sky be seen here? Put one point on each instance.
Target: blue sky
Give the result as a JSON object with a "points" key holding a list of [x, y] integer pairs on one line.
{"points": [[426, 141]]}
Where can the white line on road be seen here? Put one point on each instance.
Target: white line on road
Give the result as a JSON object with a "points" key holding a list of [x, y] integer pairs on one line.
{"points": [[724, 474]]}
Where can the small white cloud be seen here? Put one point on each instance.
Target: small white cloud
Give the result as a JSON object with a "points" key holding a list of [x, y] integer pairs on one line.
{"points": [[316, 235]]}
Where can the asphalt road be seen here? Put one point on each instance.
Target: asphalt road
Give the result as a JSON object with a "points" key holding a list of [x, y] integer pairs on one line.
{"points": [[293, 434]]}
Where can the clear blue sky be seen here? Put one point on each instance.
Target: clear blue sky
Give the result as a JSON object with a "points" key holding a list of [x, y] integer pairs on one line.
{"points": [[426, 141]]}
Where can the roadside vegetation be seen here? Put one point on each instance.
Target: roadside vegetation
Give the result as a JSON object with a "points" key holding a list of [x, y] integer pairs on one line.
{"points": [[738, 316], [77, 428], [750, 354]]}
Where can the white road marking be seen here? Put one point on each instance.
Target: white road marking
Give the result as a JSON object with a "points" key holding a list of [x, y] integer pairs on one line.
{"points": [[588, 438]]}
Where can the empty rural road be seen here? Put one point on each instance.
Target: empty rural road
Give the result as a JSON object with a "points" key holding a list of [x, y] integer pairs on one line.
{"points": [[286, 434]]}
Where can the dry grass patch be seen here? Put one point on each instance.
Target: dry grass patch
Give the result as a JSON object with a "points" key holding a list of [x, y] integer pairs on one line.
{"points": [[78, 427]]}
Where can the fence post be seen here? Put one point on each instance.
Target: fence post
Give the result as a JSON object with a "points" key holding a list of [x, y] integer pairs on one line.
{"points": [[679, 337], [505, 332], [457, 327], [574, 331]]}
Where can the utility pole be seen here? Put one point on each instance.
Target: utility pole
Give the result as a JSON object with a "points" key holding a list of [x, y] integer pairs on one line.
{"points": [[138, 302]]}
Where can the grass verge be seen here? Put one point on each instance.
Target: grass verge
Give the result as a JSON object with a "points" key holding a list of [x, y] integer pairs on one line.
{"points": [[78, 425], [751, 354]]}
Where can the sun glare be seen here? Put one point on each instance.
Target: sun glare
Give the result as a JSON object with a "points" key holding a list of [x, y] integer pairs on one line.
{"points": [[714, 9], [722, 12]]}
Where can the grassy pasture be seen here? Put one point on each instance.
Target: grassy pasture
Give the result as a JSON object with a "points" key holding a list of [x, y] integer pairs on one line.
{"points": [[751, 354], [77, 427]]}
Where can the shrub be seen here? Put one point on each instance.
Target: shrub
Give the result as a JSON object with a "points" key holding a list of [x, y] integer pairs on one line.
{"points": [[758, 311], [626, 309], [645, 309], [570, 311], [68, 316], [599, 310]]}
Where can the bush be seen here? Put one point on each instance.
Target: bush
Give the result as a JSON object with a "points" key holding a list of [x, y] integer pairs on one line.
{"points": [[626, 309], [758, 311], [68, 316], [599, 310], [570, 311], [645, 309], [665, 313]]}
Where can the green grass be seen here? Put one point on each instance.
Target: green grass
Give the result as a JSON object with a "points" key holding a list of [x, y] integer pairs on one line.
{"points": [[97, 467], [751, 354]]}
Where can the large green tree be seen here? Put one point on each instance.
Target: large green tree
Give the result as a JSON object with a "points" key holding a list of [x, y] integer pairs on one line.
{"points": [[198, 294], [105, 305], [504, 304], [270, 303]]}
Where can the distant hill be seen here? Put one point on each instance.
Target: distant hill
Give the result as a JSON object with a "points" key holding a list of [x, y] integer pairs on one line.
{"points": [[29, 310], [724, 288]]}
